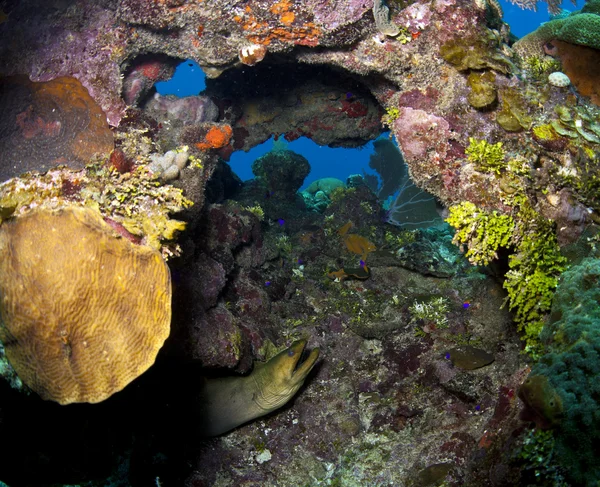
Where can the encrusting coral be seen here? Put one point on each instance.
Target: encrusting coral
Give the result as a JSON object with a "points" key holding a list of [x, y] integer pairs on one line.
{"points": [[84, 311], [134, 203], [44, 124]]}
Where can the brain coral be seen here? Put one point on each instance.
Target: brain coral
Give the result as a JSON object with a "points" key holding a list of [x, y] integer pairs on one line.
{"points": [[49, 123], [581, 28], [83, 312]]}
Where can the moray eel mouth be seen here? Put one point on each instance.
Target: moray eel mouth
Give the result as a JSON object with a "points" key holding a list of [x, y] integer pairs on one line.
{"points": [[301, 359], [301, 362], [229, 402], [282, 376]]}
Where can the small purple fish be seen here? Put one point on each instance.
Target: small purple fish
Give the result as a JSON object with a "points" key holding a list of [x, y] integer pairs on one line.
{"points": [[267, 283], [362, 263], [349, 95], [281, 222], [448, 356], [477, 408], [466, 305]]}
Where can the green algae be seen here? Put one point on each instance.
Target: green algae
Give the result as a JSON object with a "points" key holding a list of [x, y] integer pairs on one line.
{"points": [[483, 89], [137, 201], [513, 116]]}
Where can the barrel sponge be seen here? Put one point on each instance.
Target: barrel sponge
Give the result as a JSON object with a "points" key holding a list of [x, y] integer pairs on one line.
{"points": [[83, 311]]}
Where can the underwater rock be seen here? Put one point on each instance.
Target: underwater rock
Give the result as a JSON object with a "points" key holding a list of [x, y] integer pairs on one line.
{"points": [[146, 71], [84, 312], [281, 172], [209, 279], [308, 101], [226, 227], [224, 183], [186, 110], [433, 253], [47, 41], [215, 339], [469, 358], [327, 185], [317, 194]]}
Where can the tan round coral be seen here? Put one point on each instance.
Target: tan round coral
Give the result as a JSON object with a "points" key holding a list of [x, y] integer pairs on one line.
{"points": [[83, 311]]}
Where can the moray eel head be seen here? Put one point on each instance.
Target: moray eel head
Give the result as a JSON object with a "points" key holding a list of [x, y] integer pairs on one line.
{"points": [[281, 377], [228, 402], [543, 399]]}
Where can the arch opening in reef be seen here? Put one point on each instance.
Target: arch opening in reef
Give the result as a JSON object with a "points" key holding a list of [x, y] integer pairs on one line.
{"points": [[293, 100]]}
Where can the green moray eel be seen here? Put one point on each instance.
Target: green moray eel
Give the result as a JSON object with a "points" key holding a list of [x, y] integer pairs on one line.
{"points": [[232, 401], [543, 399]]}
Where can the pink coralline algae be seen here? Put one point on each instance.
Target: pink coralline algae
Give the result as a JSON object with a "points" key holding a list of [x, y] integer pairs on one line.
{"points": [[419, 132], [88, 47], [337, 13], [416, 17]]}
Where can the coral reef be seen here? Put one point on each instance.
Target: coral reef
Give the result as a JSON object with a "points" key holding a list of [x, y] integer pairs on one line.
{"points": [[317, 196], [398, 397], [281, 172], [135, 204]]}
